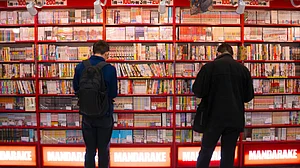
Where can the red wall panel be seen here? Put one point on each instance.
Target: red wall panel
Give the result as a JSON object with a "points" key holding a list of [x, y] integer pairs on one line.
{"points": [[2, 3], [283, 4], [182, 3], [77, 3], [278, 4]]}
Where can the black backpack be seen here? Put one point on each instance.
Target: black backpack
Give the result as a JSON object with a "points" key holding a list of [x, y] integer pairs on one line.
{"points": [[92, 94]]}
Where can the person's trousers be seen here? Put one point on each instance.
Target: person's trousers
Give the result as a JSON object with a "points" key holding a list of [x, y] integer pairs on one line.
{"points": [[96, 137], [210, 139]]}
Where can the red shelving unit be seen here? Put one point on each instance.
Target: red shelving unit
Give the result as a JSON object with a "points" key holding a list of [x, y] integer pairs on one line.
{"points": [[47, 153]]}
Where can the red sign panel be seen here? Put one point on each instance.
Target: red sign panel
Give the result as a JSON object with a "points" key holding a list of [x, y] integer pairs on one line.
{"points": [[275, 154], [119, 157], [17, 156], [187, 156], [140, 157]]}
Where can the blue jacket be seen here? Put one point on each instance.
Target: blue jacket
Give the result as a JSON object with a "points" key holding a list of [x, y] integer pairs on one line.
{"points": [[109, 74]]}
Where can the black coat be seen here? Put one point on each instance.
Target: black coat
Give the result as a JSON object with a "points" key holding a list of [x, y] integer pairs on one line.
{"points": [[226, 85]]}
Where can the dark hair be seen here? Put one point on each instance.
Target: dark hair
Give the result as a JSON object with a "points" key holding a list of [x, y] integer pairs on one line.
{"points": [[100, 47], [224, 47]]}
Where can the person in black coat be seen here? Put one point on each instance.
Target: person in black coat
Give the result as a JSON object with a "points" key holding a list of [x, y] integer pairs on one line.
{"points": [[224, 86]]}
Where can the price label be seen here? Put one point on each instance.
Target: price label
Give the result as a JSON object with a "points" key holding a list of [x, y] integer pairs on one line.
{"points": [[25, 139], [266, 138], [128, 107], [9, 106]]}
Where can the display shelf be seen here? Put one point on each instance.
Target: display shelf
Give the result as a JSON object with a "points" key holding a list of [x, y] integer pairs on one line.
{"points": [[262, 41], [138, 24], [270, 94], [271, 61], [14, 111], [196, 144], [135, 5], [112, 145], [18, 127], [13, 62], [275, 77], [16, 25], [143, 111], [145, 77], [274, 142], [18, 143], [192, 61], [17, 95], [139, 61], [59, 128], [59, 61], [250, 110], [271, 25], [68, 24], [55, 78], [58, 111], [65, 41], [22, 78], [272, 126], [196, 41], [139, 41], [18, 42], [207, 25]]}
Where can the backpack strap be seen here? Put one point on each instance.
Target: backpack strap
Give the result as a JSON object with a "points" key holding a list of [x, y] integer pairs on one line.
{"points": [[86, 63], [101, 64]]}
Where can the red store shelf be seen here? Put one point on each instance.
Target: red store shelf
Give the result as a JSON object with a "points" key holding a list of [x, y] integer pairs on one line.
{"points": [[68, 24], [271, 61], [194, 41], [58, 111], [146, 77], [272, 126], [17, 42], [208, 25], [16, 25], [138, 24], [14, 62], [59, 128], [271, 25], [142, 128], [15, 111], [143, 95], [73, 41], [17, 95], [23, 78], [139, 61], [17, 127], [143, 111], [139, 41], [18, 143]]}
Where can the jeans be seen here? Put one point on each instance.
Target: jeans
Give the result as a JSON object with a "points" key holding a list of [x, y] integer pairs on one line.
{"points": [[97, 134], [210, 139]]}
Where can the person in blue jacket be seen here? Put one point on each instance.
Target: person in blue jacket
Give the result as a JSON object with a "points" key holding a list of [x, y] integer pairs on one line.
{"points": [[97, 131]]}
